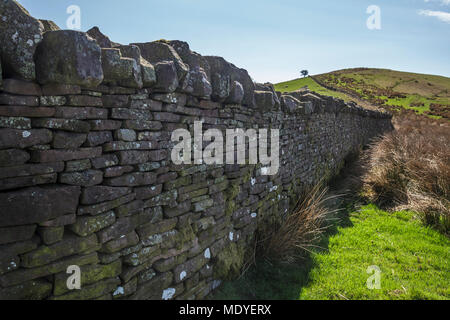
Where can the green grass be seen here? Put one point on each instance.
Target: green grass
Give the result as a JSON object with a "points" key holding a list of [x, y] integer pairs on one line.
{"points": [[293, 85], [414, 262], [381, 87]]}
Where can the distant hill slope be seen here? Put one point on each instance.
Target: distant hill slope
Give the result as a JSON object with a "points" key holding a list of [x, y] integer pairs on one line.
{"points": [[389, 89]]}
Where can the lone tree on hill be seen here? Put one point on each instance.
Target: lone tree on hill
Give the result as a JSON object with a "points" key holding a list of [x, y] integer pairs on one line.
{"points": [[304, 73]]}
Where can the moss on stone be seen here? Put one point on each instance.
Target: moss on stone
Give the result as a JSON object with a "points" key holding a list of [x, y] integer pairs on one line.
{"points": [[229, 262]]}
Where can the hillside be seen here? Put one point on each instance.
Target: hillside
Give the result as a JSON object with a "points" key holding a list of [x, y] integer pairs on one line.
{"points": [[389, 89]]}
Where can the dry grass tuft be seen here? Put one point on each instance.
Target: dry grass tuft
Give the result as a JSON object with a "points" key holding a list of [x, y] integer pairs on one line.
{"points": [[410, 168], [301, 230]]}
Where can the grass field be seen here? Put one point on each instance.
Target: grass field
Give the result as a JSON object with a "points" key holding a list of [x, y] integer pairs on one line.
{"points": [[296, 84], [393, 90], [413, 259]]}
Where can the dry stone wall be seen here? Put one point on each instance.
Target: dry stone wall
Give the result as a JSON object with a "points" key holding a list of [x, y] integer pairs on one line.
{"points": [[86, 177]]}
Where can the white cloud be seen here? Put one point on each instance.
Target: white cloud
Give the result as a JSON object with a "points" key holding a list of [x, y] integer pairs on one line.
{"points": [[444, 2], [441, 15]]}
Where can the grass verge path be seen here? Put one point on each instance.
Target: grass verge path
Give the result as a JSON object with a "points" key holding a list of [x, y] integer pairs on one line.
{"points": [[413, 260]]}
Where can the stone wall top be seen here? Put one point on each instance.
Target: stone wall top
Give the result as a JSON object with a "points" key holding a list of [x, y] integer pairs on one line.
{"points": [[36, 50]]}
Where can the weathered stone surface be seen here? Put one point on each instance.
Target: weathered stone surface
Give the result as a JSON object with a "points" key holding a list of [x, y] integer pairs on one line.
{"points": [[85, 226], [92, 291], [166, 77], [105, 161], [86, 178], [20, 87], [126, 289], [68, 140], [132, 180], [101, 39], [52, 100], [105, 206], [62, 124], [223, 71], [146, 68], [23, 275], [158, 51], [49, 25], [89, 274], [189, 268], [98, 194], [143, 125], [131, 208], [13, 157], [60, 221], [151, 229], [126, 241], [236, 93], [51, 235], [25, 111], [98, 138], [19, 182], [15, 123], [103, 125], [199, 70], [31, 170], [289, 103], [78, 165], [124, 146], [12, 138], [59, 89], [84, 101], [120, 71], [117, 171], [82, 113], [115, 101], [13, 234], [31, 290], [14, 100], [153, 289], [75, 59], [133, 157], [264, 100], [33, 205], [120, 228], [126, 135], [19, 36], [70, 245], [45, 156]]}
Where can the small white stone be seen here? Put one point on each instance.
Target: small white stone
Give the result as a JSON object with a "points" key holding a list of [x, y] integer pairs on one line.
{"points": [[118, 291], [208, 254], [231, 236], [183, 275], [26, 134], [168, 293], [254, 215]]}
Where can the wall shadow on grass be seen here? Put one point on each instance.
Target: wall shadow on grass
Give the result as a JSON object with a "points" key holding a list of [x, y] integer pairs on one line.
{"points": [[278, 281]]}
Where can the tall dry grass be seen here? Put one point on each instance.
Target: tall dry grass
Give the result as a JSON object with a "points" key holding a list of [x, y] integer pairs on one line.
{"points": [[301, 230], [410, 168]]}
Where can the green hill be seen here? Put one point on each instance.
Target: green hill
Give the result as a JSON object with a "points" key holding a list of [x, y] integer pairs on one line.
{"points": [[388, 89]]}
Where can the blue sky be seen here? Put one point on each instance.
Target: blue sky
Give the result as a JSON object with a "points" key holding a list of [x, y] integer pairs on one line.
{"points": [[274, 40]]}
